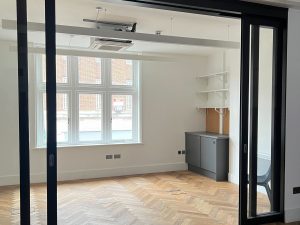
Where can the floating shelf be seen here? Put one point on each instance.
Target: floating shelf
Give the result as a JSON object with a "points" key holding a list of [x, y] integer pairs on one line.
{"points": [[213, 87], [213, 91], [212, 75]]}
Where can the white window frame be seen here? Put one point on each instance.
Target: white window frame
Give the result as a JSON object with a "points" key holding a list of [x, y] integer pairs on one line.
{"points": [[73, 88]]}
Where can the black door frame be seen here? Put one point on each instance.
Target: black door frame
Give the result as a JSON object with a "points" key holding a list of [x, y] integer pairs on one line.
{"points": [[228, 8], [50, 30], [24, 150], [249, 108]]}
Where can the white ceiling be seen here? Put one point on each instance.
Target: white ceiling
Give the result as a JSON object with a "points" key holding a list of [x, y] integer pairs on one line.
{"points": [[72, 12]]}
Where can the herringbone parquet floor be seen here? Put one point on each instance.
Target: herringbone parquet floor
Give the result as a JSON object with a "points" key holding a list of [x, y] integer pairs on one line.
{"points": [[175, 198]]}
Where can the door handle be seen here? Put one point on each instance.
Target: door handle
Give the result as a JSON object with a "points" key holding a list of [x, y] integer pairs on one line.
{"points": [[51, 160], [245, 149]]}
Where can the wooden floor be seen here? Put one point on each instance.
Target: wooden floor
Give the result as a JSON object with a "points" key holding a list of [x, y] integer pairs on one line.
{"points": [[175, 198]]}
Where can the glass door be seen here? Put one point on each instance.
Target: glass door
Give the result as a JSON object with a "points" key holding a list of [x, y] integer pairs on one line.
{"points": [[262, 120]]}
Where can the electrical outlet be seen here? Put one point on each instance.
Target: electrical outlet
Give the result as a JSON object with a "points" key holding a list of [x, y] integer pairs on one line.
{"points": [[108, 156], [179, 152], [296, 190], [117, 156], [183, 152]]}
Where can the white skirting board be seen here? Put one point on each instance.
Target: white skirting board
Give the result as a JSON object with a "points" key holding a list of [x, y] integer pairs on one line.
{"points": [[98, 173], [233, 179]]}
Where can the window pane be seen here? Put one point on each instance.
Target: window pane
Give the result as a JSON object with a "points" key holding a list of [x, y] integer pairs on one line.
{"points": [[121, 117], [121, 72], [89, 70], [62, 110], [61, 69], [90, 115], [264, 111]]}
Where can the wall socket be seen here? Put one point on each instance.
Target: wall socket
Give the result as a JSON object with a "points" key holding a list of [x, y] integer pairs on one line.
{"points": [[109, 156], [117, 156], [181, 152], [296, 190]]}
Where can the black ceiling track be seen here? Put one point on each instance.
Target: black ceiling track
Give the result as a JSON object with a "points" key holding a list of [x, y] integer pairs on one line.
{"points": [[227, 8]]}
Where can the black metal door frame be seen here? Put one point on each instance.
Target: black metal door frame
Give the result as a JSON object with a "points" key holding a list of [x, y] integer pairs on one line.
{"points": [[24, 167], [248, 122], [229, 8], [24, 150], [50, 29]]}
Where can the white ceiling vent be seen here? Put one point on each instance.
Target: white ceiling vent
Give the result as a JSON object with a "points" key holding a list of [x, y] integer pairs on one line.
{"points": [[108, 44]]}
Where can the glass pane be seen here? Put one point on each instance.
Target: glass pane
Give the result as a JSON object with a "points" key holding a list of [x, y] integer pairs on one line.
{"points": [[62, 117], [260, 131], [36, 14], [121, 72], [264, 120], [90, 117], [62, 110], [61, 69], [122, 117], [89, 70]]}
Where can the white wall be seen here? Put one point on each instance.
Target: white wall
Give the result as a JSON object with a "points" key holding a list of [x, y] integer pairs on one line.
{"points": [[9, 153], [292, 157], [233, 67], [168, 109]]}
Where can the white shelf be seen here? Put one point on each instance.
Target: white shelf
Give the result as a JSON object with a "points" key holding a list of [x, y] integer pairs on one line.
{"points": [[213, 75], [213, 88], [213, 91]]}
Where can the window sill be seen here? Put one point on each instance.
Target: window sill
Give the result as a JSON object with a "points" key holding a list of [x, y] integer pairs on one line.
{"points": [[88, 146]]}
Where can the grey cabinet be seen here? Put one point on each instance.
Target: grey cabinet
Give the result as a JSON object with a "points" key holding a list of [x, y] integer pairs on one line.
{"points": [[192, 149], [207, 154]]}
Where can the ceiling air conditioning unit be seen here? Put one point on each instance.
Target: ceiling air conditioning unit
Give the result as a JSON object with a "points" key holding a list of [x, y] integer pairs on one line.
{"points": [[109, 44]]}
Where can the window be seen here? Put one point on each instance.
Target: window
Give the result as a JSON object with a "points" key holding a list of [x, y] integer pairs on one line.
{"points": [[121, 72], [89, 70], [97, 101], [90, 117], [121, 117]]}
